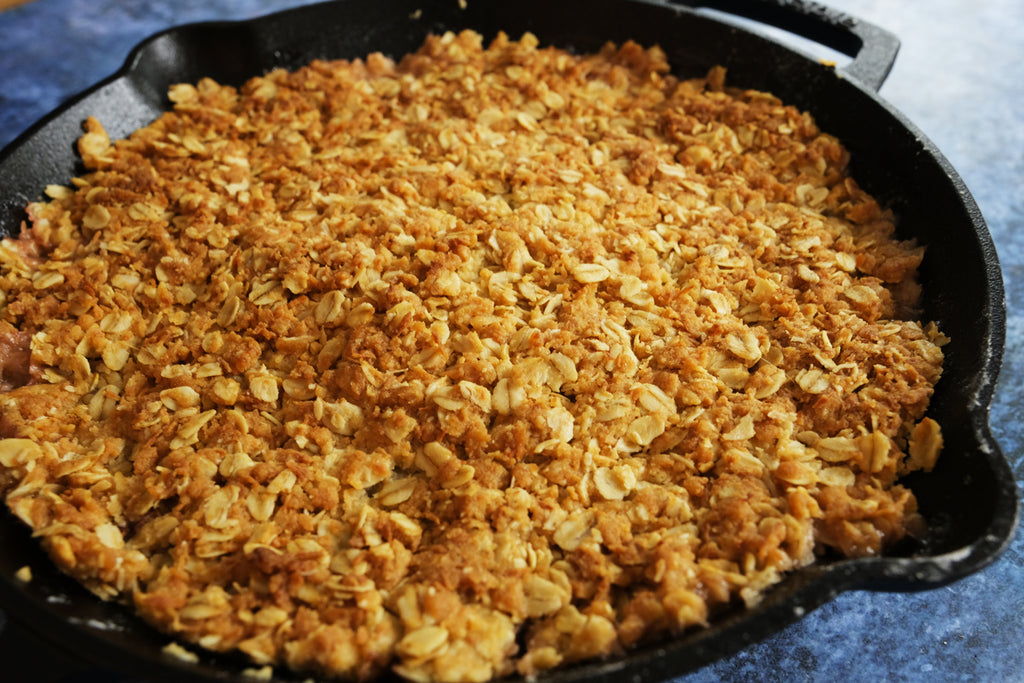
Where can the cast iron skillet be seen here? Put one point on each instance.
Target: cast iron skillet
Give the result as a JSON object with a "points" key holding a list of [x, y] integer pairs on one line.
{"points": [[969, 499]]}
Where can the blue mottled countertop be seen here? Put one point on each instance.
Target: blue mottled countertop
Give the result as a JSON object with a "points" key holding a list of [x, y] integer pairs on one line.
{"points": [[956, 78]]}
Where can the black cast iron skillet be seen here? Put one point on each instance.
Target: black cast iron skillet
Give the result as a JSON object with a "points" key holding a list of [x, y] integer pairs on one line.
{"points": [[969, 499]]}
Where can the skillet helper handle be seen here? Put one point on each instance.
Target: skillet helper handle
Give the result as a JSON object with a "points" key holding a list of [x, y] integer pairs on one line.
{"points": [[872, 48]]}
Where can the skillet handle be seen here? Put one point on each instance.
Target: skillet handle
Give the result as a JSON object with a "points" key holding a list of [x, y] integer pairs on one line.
{"points": [[872, 48]]}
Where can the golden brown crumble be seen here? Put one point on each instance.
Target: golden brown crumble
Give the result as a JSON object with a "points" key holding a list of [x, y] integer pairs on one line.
{"points": [[483, 362]]}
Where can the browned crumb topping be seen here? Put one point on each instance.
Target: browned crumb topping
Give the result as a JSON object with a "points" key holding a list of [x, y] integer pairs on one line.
{"points": [[481, 363]]}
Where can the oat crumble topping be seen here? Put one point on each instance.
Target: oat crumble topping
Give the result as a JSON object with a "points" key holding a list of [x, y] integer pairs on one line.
{"points": [[484, 362]]}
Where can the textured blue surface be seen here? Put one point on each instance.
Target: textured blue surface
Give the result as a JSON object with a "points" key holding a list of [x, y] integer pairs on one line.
{"points": [[957, 77]]}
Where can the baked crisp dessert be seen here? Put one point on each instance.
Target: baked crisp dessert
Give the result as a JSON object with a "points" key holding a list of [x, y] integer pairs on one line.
{"points": [[484, 362]]}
